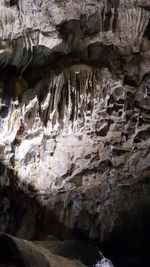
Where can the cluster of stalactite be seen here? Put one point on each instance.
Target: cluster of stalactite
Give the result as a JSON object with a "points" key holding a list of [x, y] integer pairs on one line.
{"points": [[58, 98], [72, 93]]}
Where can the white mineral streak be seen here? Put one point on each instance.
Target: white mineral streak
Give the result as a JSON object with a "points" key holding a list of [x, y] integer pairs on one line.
{"points": [[136, 19]]}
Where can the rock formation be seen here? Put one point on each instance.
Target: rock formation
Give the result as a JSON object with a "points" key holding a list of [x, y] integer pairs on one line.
{"points": [[26, 253], [75, 118]]}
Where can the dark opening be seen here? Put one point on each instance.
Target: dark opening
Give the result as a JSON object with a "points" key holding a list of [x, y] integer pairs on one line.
{"points": [[9, 254], [13, 2], [147, 31], [131, 81]]}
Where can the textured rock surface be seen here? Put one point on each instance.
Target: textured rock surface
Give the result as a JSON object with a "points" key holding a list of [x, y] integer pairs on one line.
{"points": [[19, 252], [75, 117]]}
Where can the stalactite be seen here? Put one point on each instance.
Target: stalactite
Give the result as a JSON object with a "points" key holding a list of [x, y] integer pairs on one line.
{"points": [[68, 95]]}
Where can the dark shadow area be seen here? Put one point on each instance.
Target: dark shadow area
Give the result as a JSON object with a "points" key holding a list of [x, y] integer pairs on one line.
{"points": [[128, 248], [43, 60], [147, 31], [23, 214], [72, 249], [45, 63], [129, 245], [20, 212], [131, 81], [96, 55], [9, 253]]}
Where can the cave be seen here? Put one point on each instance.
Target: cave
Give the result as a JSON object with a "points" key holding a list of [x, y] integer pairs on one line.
{"points": [[74, 133]]}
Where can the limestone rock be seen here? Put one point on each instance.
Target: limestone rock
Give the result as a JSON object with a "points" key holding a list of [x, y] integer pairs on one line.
{"points": [[18, 251], [74, 112]]}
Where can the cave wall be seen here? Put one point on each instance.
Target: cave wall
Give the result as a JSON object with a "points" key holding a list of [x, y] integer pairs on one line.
{"points": [[74, 111]]}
